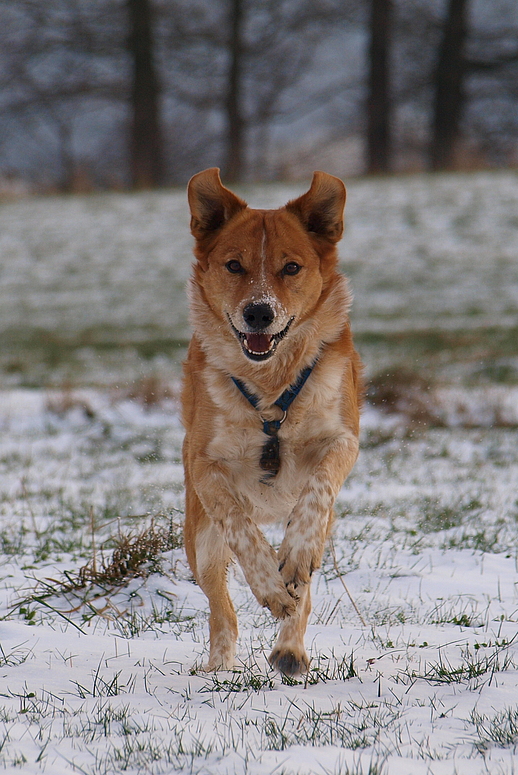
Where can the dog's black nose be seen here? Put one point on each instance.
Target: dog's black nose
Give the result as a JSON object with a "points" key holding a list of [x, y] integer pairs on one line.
{"points": [[258, 316]]}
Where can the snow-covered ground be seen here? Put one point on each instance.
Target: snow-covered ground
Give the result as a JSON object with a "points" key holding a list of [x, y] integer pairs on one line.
{"points": [[105, 678], [424, 253], [100, 672]]}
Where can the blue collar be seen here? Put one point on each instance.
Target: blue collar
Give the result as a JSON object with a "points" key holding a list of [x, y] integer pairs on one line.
{"points": [[271, 427]]}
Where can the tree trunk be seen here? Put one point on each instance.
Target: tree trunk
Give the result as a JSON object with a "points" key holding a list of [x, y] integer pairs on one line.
{"points": [[146, 149], [449, 88], [234, 163], [378, 98]]}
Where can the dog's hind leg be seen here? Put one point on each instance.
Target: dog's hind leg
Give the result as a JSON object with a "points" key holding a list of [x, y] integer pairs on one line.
{"points": [[209, 556], [289, 655]]}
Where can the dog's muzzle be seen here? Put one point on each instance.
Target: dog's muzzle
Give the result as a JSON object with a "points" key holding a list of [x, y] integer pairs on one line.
{"points": [[256, 344]]}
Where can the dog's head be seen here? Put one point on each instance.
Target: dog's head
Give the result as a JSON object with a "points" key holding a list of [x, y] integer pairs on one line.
{"points": [[262, 273]]}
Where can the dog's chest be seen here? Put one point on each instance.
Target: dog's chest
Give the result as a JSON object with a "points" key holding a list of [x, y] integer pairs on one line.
{"points": [[312, 422]]}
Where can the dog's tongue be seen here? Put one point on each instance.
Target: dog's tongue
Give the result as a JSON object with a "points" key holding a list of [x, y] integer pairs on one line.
{"points": [[258, 343]]}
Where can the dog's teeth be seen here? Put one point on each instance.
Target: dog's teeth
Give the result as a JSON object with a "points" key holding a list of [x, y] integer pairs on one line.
{"points": [[259, 352]]}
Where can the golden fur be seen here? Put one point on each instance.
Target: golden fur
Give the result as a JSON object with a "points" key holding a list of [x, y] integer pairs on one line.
{"points": [[266, 301]]}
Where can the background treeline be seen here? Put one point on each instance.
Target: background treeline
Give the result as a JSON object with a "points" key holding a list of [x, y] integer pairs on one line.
{"points": [[117, 93]]}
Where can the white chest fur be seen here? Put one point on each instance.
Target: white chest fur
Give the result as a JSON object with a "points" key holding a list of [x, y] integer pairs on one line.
{"points": [[314, 421]]}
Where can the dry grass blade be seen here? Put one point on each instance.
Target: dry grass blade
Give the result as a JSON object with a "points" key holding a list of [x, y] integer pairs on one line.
{"points": [[340, 576], [133, 555], [152, 391], [404, 392]]}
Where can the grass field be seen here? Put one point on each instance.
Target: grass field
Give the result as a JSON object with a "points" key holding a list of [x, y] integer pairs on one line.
{"points": [[414, 635]]}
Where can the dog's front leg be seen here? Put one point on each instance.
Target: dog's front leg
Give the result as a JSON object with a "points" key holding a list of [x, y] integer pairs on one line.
{"points": [[257, 558], [303, 545], [301, 550]]}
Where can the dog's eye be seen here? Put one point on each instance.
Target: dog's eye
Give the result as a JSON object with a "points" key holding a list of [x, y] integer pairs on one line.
{"points": [[234, 267], [291, 268]]}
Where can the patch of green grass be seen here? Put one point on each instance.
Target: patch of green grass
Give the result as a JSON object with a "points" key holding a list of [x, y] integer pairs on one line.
{"points": [[13, 658], [324, 669], [479, 355], [37, 358], [446, 612], [103, 720], [349, 725], [498, 372], [484, 540], [499, 730], [105, 686], [166, 618], [13, 540], [476, 669], [244, 679], [436, 516]]}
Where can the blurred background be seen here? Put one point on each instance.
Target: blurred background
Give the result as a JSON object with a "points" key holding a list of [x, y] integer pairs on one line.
{"points": [[102, 94], [107, 107]]}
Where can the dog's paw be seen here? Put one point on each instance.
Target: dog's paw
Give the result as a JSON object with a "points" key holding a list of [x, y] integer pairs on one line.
{"points": [[219, 662], [296, 566], [289, 661], [280, 602]]}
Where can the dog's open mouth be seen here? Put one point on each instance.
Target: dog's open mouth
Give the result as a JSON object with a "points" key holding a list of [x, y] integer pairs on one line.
{"points": [[259, 346]]}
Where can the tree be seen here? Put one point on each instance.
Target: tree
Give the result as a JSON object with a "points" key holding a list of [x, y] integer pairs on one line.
{"points": [[62, 62], [146, 147], [68, 59], [236, 59], [449, 90], [484, 124], [143, 92], [379, 106], [233, 103]]}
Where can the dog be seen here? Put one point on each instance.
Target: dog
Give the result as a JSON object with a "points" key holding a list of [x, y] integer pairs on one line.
{"points": [[270, 401]]}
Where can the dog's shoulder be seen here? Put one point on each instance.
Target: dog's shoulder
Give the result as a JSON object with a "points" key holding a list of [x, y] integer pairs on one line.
{"points": [[193, 367], [352, 389]]}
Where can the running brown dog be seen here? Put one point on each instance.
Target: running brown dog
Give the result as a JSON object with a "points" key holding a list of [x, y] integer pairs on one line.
{"points": [[271, 396]]}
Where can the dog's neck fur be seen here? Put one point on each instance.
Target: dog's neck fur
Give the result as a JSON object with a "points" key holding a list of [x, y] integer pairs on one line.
{"points": [[306, 341]]}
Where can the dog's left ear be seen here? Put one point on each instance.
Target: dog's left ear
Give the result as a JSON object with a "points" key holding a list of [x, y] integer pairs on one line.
{"points": [[321, 209], [211, 204]]}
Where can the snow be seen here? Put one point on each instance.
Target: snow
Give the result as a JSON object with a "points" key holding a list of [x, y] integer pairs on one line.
{"points": [[421, 677], [425, 542], [422, 252]]}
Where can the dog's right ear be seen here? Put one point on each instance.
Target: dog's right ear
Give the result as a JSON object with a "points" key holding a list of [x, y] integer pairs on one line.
{"points": [[211, 204]]}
